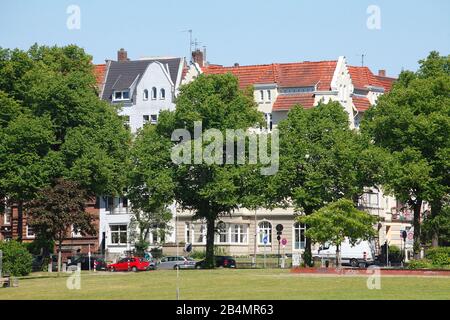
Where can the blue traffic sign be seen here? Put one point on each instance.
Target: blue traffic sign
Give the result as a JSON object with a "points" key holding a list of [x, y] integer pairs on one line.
{"points": [[265, 239]]}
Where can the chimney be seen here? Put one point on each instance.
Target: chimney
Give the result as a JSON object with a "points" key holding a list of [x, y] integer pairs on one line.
{"points": [[236, 65], [197, 57], [382, 73], [122, 55]]}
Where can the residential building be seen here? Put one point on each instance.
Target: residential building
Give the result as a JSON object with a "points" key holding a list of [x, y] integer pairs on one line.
{"points": [[277, 88], [142, 88]]}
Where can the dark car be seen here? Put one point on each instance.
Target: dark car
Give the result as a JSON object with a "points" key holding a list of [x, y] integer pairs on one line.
{"points": [[221, 262], [97, 263]]}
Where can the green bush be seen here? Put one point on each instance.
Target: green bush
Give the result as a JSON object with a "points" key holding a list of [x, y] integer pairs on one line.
{"points": [[395, 254], [439, 256], [17, 261], [198, 255], [420, 264]]}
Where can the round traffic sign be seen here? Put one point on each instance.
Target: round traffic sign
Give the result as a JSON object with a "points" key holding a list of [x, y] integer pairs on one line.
{"points": [[284, 241], [279, 227]]}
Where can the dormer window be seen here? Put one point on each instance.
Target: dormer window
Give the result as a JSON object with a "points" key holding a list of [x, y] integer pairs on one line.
{"points": [[145, 94], [162, 94], [269, 95], [121, 95], [261, 95], [154, 93]]}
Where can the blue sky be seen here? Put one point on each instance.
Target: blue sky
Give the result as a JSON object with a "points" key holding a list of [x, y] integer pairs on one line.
{"points": [[244, 31]]}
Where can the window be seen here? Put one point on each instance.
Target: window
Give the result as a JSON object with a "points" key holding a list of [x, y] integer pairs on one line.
{"points": [[269, 95], [7, 216], [162, 94], [30, 232], [121, 95], [154, 93], [154, 119], [75, 233], [124, 202], [187, 234], [223, 233], [261, 93], [126, 122], [199, 233], [269, 121], [145, 94], [239, 233], [119, 234], [146, 119], [299, 236], [371, 199], [265, 228]]}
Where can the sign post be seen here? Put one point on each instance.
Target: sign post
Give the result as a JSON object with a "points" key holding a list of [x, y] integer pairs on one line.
{"points": [[279, 228], [265, 240]]}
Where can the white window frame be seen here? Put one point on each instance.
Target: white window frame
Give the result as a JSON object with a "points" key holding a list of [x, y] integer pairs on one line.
{"points": [[367, 198], [146, 118], [145, 95], [298, 228], [162, 94], [115, 99], [74, 233], [269, 95], [154, 93], [7, 217], [241, 232], [264, 230], [153, 119], [261, 95], [119, 232], [203, 230], [33, 235]]}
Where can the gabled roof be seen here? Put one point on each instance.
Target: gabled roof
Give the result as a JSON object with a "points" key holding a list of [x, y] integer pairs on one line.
{"points": [[288, 75], [286, 101], [363, 78], [361, 103], [121, 75]]}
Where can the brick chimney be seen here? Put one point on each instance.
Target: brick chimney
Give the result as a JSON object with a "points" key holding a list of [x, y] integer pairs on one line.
{"points": [[122, 55], [382, 73], [198, 57]]}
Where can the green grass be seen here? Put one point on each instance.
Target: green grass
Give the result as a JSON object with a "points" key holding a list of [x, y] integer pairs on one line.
{"points": [[226, 284]]}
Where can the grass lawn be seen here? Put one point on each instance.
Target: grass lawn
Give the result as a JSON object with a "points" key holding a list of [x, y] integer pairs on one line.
{"points": [[226, 284]]}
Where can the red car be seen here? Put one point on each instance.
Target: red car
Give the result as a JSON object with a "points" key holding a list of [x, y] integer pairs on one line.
{"points": [[130, 264]]}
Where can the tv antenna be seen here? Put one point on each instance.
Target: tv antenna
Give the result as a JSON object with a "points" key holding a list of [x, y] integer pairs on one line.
{"points": [[191, 42]]}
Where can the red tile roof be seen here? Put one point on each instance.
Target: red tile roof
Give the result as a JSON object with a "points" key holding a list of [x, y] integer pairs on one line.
{"points": [[300, 74], [361, 103], [287, 101], [100, 71], [363, 77]]}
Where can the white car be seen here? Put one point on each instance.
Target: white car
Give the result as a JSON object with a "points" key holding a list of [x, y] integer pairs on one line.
{"points": [[363, 252]]}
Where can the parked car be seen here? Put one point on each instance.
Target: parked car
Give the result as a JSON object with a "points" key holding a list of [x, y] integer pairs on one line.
{"points": [[221, 262], [362, 253], [96, 263], [130, 264], [175, 262]]}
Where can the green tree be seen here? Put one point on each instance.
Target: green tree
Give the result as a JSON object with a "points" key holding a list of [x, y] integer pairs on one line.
{"points": [[53, 125], [337, 221], [151, 186], [321, 161], [210, 190], [60, 209], [17, 261], [412, 124]]}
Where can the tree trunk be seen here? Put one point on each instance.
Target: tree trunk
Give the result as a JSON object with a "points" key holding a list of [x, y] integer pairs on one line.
{"points": [[20, 221], [59, 254], [307, 256], [436, 207], [417, 211], [338, 256], [210, 234]]}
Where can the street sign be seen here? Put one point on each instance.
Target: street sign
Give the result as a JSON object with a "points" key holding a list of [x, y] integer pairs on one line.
{"points": [[188, 247], [284, 242], [279, 227], [266, 239]]}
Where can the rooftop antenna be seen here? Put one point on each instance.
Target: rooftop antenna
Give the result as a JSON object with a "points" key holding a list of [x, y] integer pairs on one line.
{"points": [[363, 56], [191, 43]]}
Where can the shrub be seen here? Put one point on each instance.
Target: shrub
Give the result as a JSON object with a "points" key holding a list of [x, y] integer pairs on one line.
{"points": [[395, 254], [439, 256], [420, 264], [156, 253], [198, 255], [17, 261]]}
